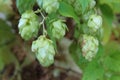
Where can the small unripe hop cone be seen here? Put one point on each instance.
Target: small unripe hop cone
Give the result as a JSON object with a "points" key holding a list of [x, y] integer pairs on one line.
{"points": [[77, 7], [89, 47], [44, 51], [50, 5], [58, 29], [92, 4]]}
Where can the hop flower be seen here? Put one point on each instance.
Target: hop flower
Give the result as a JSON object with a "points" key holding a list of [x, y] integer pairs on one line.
{"points": [[95, 22], [92, 4], [50, 5], [58, 29], [77, 7], [44, 51], [28, 25], [89, 47], [88, 14]]}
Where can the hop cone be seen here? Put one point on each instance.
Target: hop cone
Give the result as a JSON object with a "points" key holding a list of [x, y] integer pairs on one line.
{"points": [[44, 51], [50, 5], [95, 22], [92, 4], [28, 25], [58, 29], [77, 7], [89, 47]]}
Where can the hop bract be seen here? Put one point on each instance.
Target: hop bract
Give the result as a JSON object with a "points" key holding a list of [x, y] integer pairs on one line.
{"points": [[58, 29], [28, 25], [95, 22], [44, 51], [50, 5], [89, 47]]}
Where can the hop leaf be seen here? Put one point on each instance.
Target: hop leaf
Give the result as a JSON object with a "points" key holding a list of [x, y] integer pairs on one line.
{"points": [[44, 51], [89, 47], [95, 22], [70, 1], [58, 29], [50, 5], [28, 25]]}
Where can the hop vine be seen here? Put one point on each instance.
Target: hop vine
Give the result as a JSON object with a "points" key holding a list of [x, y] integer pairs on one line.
{"points": [[29, 25]]}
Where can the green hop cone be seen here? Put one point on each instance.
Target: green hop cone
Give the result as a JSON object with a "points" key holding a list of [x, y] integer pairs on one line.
{"points": [[92, 4], [77, 7], [50, 5], [58, 29], [95, 22], [44, 51], [87, 15], [28, 25], [89, 47]]}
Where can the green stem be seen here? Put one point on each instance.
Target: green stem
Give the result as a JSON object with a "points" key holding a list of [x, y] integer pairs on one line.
{"points": [[38, 11], [42, 23]]}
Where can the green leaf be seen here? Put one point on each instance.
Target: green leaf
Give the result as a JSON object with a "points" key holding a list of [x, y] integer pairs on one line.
{"points": [[77, 56], [115, 77], [24, 5], [93, 71], [112, 63], [108, 17], [116, 7], [6, 34], [109, 1], [51, 18], [114, 4], [1, 63], [100, 52], [6, 57], [112, 57], [68, 11]]}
